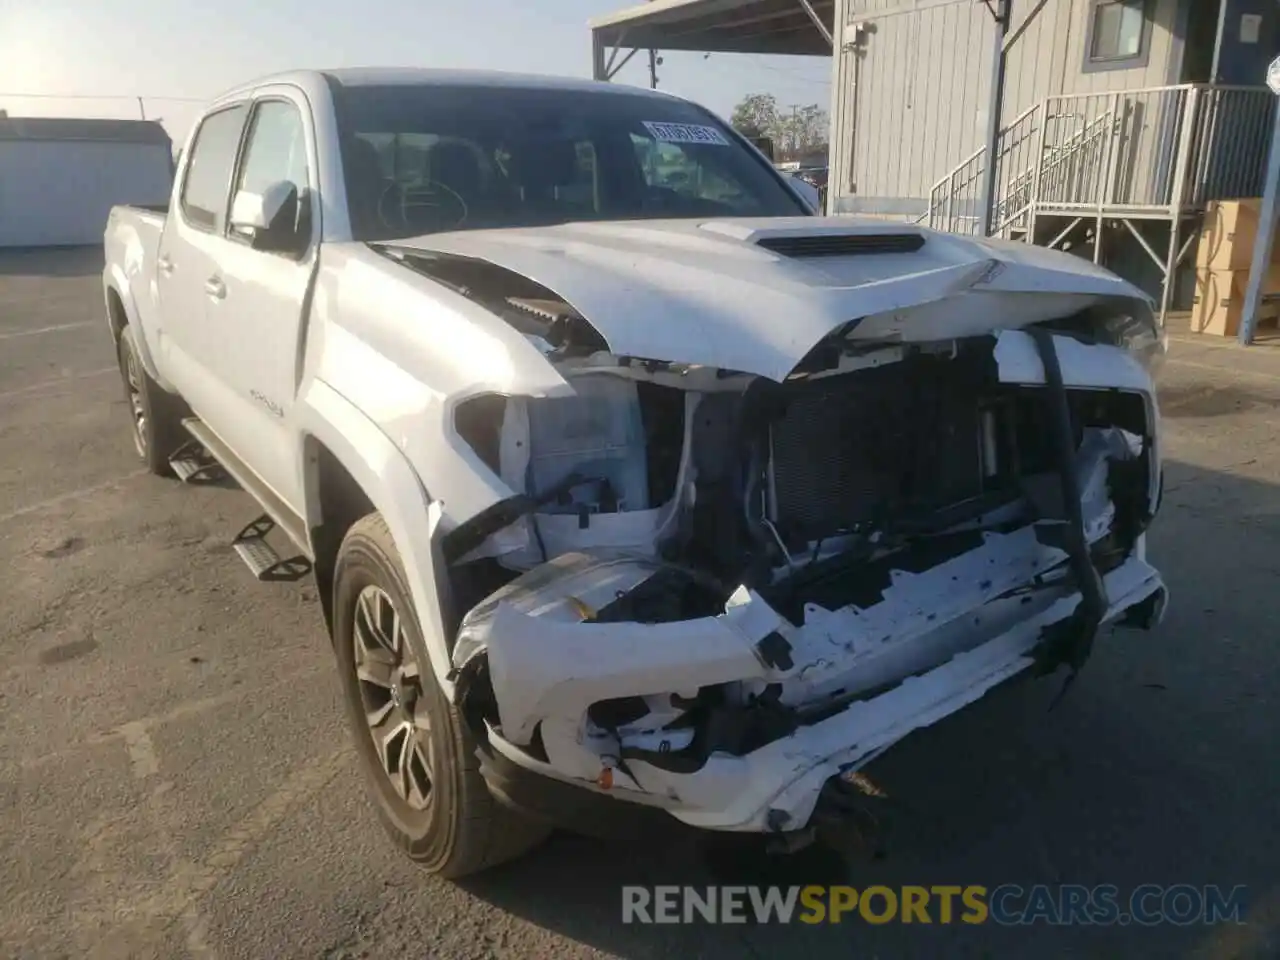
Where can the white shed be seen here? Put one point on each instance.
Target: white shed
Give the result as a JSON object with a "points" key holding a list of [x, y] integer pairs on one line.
{"points": [[60, 177]]}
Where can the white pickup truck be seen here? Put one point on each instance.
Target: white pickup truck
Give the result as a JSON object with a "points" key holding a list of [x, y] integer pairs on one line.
{"points": [[628, 485]]}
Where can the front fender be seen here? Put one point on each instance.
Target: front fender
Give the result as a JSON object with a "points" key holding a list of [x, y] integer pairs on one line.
{"points": [[393, 487]]}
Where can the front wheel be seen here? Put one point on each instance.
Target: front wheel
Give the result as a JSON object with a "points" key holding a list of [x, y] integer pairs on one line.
{"points": [[417, 756], [157, 427]]}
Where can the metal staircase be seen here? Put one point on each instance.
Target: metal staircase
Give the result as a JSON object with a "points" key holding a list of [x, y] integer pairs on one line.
{"points": [[1125, 158], [954, 200], [1025, 162], [1151, 152]]}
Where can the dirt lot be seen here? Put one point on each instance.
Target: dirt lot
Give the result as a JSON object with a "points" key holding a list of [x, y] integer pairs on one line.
{"points": [[175, 780]]}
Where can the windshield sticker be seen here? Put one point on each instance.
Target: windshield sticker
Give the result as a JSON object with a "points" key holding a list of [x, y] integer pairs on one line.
{"points": [[685, 133]]}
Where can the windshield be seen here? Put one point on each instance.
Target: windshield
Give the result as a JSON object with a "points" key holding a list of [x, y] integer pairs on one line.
{"points": [[424, 159]]}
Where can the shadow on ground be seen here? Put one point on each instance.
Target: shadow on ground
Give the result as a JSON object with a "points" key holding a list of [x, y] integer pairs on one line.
{"points": [[51, 261], [1212, 400], [1158, 767]]}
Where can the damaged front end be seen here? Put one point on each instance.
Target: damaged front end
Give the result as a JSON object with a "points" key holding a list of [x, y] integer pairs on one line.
{"points": [[712, 592]]}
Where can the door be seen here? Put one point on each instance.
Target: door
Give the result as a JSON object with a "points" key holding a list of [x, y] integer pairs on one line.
{"points": [[258, 311], [1248, 39], [187, 258], [1199, 40]]}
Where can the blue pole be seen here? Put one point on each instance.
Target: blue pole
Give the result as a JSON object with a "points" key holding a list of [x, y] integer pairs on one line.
{"points": [[1266, 235]]}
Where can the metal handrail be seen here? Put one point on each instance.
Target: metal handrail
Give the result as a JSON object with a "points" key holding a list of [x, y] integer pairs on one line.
{"points": [[1159, 148], [977, 154]]}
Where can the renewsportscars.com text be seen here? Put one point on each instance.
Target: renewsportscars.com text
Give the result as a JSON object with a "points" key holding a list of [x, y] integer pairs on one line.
{"points": [[1009, 904]]}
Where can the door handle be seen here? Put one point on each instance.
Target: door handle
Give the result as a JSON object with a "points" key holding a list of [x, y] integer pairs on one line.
{"points": [[215, 288], [164, 265]]}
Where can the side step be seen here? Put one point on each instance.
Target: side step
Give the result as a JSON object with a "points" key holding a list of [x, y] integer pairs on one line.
{"points": [[261, 558], [250, 543], [192, 463]]}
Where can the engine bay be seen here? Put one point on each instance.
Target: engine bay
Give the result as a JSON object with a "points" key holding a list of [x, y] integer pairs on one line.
{"points": [[744, 481], [698, 566], [647, 504]]}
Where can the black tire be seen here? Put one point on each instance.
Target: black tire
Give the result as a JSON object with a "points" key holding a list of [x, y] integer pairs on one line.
{"points": [[154, 415], [462, 829]]}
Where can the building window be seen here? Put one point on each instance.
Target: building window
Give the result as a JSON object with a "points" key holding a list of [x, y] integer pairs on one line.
{"points": [[1118, 35]]}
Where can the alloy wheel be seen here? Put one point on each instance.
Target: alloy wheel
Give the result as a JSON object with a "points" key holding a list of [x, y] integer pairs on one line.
{"points": [[133, 383], [391, 697]]}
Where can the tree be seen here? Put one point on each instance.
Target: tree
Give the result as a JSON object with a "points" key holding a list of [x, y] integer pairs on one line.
{"points": [[756, 115], [803, 130], [810, 127]]}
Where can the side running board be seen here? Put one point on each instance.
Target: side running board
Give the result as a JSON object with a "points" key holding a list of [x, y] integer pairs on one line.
{"points": [[192, 463], [261, 558], [210, 453]]}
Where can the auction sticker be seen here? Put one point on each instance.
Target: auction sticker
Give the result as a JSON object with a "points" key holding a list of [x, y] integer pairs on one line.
{"points": [[685, 133]]}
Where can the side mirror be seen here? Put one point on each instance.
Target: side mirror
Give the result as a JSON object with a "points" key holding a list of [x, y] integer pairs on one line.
{"points": [[807, 192], [274, 220], [764, 145]]}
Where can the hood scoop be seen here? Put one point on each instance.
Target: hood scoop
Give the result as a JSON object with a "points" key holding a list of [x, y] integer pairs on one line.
{"points": [[753, 295], [842, 245]]}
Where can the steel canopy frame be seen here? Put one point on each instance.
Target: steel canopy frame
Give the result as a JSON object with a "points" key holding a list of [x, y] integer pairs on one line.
{"points": [[797, 27]]}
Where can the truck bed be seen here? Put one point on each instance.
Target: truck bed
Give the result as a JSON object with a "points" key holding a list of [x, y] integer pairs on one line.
{"points": [[144, 211], [132, 242], [160, 208]]}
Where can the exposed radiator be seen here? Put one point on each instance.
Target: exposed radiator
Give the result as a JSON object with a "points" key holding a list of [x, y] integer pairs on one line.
{"points": [[859, 448]]}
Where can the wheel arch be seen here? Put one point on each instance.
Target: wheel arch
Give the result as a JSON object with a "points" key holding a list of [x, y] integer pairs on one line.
{"points": [[350, 468], [117, 316], [122, 312]]}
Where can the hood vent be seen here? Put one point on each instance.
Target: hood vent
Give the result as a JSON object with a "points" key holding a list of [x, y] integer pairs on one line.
{"points": [[843, 245]]}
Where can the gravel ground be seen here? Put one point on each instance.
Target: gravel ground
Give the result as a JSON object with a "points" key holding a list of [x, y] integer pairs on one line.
{"points": [[176, 780]]}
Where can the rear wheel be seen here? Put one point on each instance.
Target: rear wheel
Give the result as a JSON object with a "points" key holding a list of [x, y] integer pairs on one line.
{"points": [[416, 754], [154, 417]]}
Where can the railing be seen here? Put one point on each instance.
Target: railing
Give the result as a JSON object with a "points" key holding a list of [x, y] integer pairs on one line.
{"points": [[1019, 143], [1160, 150], [1229, 151], [954, 200]]}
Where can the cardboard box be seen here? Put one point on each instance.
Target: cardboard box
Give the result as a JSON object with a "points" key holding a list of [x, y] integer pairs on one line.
{"points": [[1219, 300], [1227, 235]]}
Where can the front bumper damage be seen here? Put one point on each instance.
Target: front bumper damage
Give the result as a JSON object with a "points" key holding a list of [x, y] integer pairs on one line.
{"points": [[736, 721], [777, 785], [936, 641]]}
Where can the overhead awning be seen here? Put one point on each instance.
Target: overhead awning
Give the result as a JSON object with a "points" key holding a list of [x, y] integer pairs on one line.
{"points": [[720, 26]]}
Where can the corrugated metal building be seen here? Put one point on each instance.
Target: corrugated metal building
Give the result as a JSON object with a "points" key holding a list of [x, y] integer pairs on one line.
{"points": [[1120, 118], [60, 177], [912, 83]]}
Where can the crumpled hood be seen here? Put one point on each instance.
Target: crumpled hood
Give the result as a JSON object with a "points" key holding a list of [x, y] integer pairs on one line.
{"points": [[707, 292]]}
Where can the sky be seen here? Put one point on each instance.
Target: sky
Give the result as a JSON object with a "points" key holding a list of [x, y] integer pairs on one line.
{"points": [[93, 57]]}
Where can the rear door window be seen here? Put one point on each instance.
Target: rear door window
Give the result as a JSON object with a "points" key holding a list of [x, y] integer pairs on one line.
{"points": [[206, 187]]}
